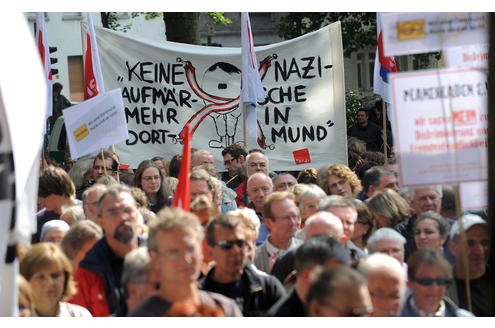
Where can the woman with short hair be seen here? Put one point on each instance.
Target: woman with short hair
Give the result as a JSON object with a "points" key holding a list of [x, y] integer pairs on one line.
{"points": [[429, 275], [49, 273]]}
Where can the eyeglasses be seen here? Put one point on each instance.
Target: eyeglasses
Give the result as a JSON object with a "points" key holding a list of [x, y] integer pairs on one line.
{"points": [[229, 244], [257, 164], [156, 177], [430, 281]]}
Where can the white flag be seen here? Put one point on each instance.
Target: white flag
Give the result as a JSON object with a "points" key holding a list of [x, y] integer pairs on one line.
{"points": [[251, 87], [23, 118]]}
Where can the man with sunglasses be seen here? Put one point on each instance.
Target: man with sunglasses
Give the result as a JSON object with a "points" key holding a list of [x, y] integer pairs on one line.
{"points": [[233, 275]]}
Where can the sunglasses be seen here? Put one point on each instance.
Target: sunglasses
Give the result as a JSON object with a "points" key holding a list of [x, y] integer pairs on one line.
{"points": [[229, 244], [430, 281]]}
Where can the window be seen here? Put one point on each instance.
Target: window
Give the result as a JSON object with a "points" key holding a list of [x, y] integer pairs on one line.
{"points": [[76, 78], [371, 67], [359, 65], [72, 16]]}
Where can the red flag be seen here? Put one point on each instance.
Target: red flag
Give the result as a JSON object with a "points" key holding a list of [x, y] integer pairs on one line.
{"points": [[181, 196], [93, 80]]}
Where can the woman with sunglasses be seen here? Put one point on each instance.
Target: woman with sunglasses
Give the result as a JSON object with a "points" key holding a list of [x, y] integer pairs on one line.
{"points": [[429, 275]]}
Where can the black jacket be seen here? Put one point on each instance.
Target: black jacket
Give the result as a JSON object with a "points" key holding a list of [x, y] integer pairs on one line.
{"points": [[264, 290]]}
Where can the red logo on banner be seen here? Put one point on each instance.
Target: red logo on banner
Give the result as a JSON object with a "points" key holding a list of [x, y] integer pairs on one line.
{"points": [[301, 156], [465, 117]]}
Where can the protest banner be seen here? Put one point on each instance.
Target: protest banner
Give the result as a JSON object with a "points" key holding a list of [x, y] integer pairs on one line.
{"points": [[468, 56], [166, 85], [442, 126], [95, 123], [474, 195], [415, 33]]}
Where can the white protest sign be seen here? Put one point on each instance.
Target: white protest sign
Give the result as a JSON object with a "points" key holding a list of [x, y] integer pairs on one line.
{"points": [[95, 123], [468, 56], [414, 33], [301, 122], [474, 195], [441, 126]]}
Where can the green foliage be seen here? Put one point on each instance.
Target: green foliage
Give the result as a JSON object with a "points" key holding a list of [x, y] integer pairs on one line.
{"points": [[219, 18], [354, 101], [358, 29], [110, 20]]}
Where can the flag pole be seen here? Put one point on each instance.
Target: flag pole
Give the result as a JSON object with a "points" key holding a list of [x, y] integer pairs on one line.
{"points": [[244, 113], [251, 87], [384, 120]]}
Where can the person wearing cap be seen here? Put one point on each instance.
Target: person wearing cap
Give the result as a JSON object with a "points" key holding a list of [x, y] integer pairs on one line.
{"points": [[477, 250]]}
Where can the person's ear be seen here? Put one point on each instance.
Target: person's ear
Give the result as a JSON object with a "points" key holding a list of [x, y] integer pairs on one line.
{"points": [[209, 250], [154, 259], [241, 159], [344, 239], [131, 290], [313, 309], [452, 247]]}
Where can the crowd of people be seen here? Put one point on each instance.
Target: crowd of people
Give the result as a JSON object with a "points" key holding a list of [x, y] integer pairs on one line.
{"points": [[337, 240]]}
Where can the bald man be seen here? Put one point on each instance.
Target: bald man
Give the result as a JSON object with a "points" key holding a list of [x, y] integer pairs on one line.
{"points": [[321, 223]]}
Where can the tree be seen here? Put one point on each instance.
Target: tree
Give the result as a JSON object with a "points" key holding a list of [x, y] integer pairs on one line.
{"points": [[181, 27], [358, 29], [111, 21]]}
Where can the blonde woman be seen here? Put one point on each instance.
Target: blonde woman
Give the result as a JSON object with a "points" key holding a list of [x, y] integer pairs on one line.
{"points": [[49, 273], [388, 208], [339, 179]]}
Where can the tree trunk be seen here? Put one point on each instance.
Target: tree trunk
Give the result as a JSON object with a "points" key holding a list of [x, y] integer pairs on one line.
{"points": [[181, 27], [104, 19]]}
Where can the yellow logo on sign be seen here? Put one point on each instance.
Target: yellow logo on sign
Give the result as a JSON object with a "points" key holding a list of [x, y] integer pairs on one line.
{"points": [[411, 30], [81, 132]]}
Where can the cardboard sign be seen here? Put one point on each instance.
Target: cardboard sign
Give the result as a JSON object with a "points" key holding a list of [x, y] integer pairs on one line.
{"points": [[95, 123], [415, 33], [441, 126]]}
